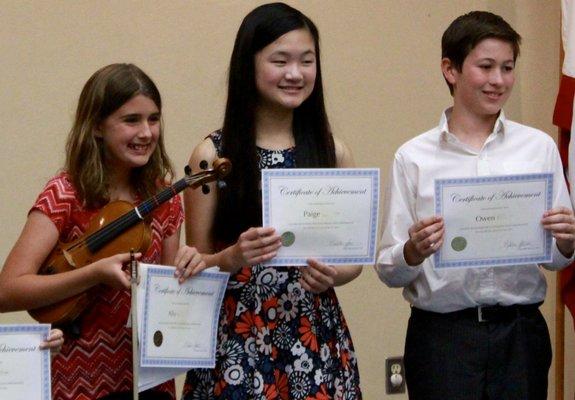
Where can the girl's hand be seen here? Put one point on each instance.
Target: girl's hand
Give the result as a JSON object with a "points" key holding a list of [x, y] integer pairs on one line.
{"points": [[254, 246], [317, 277], [112, 272], [54, 341], [561, 222], [425, 237], [188, 262]]}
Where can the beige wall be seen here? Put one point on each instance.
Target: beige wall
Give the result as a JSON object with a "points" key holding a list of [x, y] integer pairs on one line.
{"points": [[382, 79]]}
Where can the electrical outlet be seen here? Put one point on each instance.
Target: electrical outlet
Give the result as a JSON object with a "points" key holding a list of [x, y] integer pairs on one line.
{"points": [[394, 375]]}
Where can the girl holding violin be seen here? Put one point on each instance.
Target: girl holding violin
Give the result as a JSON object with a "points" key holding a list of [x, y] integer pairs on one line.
{"points": [[282, 333], [115, 154]]}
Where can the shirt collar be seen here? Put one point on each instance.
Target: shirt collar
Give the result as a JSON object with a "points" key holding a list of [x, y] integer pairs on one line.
{"points": [[499, 127]]}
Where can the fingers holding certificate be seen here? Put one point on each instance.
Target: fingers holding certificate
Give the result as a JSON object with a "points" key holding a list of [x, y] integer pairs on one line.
{"points": [[327, 214], [561, 223], [317, 277], [496, 220], [256, 245], [24, 366], [425, 238]]}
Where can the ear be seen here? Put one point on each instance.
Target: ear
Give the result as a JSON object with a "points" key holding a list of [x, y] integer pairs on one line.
{"points": [[98, 133], [449, 71]]}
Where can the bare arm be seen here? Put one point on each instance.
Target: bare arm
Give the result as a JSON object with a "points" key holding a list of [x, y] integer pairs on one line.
{"points": [[170, 246], [318, 276], [22, 289], [253, 246], [344, 157], [200, 208]]}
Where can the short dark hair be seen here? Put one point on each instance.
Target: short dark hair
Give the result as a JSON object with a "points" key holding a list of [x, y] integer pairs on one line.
{"points": [[467, 30]]}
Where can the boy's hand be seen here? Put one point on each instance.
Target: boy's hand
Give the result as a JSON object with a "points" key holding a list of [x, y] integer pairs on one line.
{"points": [[425, 237], [561, 222]]}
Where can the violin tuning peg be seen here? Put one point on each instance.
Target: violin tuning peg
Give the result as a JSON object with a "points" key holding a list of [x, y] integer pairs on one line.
{"points": [[203, 164], [205, 189], [188, 170], [222, 184]]}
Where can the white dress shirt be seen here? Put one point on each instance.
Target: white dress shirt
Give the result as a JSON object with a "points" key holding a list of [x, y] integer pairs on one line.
{"points": [[511, 148]]}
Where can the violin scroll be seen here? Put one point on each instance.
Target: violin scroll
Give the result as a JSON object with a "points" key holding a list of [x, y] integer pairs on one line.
{"points": [[220, 168]]}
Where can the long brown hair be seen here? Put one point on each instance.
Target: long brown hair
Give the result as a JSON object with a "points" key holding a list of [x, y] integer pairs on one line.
{"points": [[106, 91]]}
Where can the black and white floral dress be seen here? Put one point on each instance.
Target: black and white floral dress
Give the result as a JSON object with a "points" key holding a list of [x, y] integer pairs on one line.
{"points": [[276, 340]]}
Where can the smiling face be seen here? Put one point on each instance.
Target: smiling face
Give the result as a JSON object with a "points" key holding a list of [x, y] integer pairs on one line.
{"points": [[130, 134], [285, 70], [486, 78]]}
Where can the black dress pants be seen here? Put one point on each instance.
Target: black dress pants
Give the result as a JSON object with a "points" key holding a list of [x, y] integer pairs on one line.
{"points": [[456, 356]]}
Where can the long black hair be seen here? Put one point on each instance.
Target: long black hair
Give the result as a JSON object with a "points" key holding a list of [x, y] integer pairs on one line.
{"points": [[239, 205]]}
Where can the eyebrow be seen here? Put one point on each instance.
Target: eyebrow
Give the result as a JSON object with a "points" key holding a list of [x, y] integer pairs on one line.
{"points": [[493, 60], [131, 115], [286, 53]]}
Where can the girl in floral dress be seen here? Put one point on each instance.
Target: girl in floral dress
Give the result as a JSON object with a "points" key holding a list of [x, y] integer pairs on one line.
{"points": [[115, 151], [282, 333]]}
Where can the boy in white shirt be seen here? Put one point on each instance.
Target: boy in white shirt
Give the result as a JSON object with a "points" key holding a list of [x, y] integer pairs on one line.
{"points": [[474, 333]]}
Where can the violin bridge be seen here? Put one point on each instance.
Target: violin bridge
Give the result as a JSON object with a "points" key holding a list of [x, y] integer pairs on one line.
{"points": [[69, 258]]}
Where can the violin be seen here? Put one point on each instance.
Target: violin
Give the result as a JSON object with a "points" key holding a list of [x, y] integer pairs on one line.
{"points": [[118, 228]]}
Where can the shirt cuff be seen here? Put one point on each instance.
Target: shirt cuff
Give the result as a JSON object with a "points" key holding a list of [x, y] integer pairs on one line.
{"points": [[559, 260], [399, 274]]}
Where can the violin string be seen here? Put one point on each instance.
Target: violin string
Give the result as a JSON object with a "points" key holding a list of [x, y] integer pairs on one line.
{"points": [[102, 236], [99, 238], [114, 228]]}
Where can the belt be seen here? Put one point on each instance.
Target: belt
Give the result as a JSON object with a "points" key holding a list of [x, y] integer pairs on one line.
{"points": [[484, 313]]}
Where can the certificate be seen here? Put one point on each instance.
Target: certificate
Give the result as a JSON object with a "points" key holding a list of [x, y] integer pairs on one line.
{"points": [[494, 221], [24, 368], [326, 213], [148, 377], [180, 321]]}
